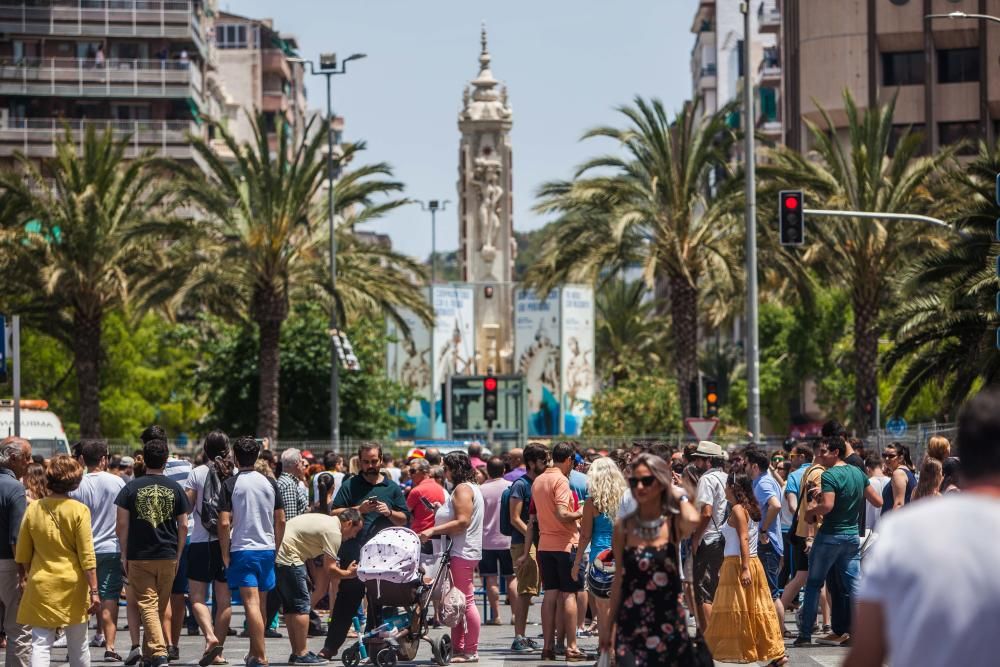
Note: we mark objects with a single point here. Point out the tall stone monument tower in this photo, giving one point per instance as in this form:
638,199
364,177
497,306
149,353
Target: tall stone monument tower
486,233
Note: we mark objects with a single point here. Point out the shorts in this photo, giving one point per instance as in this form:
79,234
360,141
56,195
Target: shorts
527,574
800,559
557,568
109,576
707,563
496,561
292,585
180,585
251,569
205,562
771,560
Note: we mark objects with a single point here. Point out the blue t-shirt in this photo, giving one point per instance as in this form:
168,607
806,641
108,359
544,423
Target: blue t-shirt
520,489
794,482
578,484
766,487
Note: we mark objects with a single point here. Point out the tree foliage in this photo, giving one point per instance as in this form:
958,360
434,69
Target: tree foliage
644,405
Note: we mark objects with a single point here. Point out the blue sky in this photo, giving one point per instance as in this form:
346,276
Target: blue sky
566,63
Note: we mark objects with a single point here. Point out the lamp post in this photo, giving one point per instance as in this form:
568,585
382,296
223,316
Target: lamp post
752,351
434,206
328,68
962,15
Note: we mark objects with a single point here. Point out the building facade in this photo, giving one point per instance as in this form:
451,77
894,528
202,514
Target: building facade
943,73
141,67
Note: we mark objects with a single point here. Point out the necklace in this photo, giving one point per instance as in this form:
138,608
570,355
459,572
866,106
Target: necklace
648,529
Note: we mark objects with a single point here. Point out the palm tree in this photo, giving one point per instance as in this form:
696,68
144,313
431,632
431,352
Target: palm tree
266,241
630,337
652,208
864,173
944,331
75,247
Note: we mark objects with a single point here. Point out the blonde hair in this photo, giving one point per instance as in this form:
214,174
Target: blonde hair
605,486
354,467
939,448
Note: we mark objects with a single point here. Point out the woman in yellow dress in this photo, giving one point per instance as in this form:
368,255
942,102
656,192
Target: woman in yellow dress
743,626
57,567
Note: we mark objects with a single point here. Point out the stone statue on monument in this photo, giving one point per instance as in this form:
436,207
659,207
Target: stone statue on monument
490,197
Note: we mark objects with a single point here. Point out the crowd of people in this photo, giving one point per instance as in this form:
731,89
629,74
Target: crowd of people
735,538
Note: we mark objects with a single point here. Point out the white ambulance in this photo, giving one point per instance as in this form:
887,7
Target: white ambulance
39,426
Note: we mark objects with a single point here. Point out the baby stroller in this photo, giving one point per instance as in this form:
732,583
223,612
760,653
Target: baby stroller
390,569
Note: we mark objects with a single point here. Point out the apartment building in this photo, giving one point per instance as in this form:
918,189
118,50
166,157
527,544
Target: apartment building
141,67
260,72
717,60
944,73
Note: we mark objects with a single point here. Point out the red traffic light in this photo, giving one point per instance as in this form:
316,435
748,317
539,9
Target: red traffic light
490,384
791,203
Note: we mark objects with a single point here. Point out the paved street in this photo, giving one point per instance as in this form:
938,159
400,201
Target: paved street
494,648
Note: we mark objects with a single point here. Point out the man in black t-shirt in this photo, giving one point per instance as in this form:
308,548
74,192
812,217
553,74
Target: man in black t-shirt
381,503
152,529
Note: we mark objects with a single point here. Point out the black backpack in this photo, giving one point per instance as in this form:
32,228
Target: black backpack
208,513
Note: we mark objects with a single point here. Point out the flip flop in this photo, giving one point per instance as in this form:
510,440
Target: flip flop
209,656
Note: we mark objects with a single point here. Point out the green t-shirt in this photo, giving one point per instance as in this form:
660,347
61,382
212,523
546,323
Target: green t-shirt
848,485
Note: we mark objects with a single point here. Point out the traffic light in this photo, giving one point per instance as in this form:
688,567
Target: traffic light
490,386
791,219
711,398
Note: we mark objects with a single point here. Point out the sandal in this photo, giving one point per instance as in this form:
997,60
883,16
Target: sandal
209,656
465,658
778,662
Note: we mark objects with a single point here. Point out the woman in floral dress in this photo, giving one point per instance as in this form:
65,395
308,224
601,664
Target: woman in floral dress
648,624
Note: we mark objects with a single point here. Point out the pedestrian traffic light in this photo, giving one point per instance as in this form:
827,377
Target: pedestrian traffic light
490,386
791,219
711,398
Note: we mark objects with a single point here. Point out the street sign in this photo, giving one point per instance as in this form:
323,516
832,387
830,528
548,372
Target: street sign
896,426
701,428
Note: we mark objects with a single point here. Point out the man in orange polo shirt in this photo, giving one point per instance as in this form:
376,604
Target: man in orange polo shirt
559,535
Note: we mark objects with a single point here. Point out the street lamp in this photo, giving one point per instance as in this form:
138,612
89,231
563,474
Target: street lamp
434,206
749,159
328,68
962,15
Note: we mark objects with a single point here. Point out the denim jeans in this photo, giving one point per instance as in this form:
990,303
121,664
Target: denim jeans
838,553
771,560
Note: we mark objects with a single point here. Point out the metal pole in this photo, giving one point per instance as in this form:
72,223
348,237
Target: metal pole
752,351
334,361
433,245
16,345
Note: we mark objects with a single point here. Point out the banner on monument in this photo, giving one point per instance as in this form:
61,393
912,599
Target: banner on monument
577,355
409,363
536,355
453,341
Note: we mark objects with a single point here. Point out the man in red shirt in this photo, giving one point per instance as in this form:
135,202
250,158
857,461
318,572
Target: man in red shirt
424,488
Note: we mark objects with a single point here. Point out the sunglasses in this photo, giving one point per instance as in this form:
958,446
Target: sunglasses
646,481
889,456
777,459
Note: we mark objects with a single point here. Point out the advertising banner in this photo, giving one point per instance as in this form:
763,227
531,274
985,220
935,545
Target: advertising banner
409,363
453,341
577,356
536,358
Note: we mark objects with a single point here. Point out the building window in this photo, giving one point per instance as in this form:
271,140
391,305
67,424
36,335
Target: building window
231,36
903,68
952,133
897,133
958,65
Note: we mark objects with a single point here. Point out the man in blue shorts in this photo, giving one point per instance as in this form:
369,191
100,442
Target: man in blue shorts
251,525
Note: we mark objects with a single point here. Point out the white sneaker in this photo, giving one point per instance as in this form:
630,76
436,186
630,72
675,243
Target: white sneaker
134,656
97,641
60,642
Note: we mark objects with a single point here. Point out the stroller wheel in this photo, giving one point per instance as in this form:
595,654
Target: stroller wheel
351,656
386,657
441,650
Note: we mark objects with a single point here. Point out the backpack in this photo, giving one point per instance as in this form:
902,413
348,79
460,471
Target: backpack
506,527
208,512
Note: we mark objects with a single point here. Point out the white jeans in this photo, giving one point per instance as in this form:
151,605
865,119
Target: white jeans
18,652
77,647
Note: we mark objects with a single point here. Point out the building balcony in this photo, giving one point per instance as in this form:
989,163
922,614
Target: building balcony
274,61
768,17
707,78
770,128
167,19
71,77
769,72
36,137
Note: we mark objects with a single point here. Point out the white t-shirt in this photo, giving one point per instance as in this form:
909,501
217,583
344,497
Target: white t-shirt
933,571
177,470
98,491
712,491
196,482
467,545
252,499
394,473
338,479
873,513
